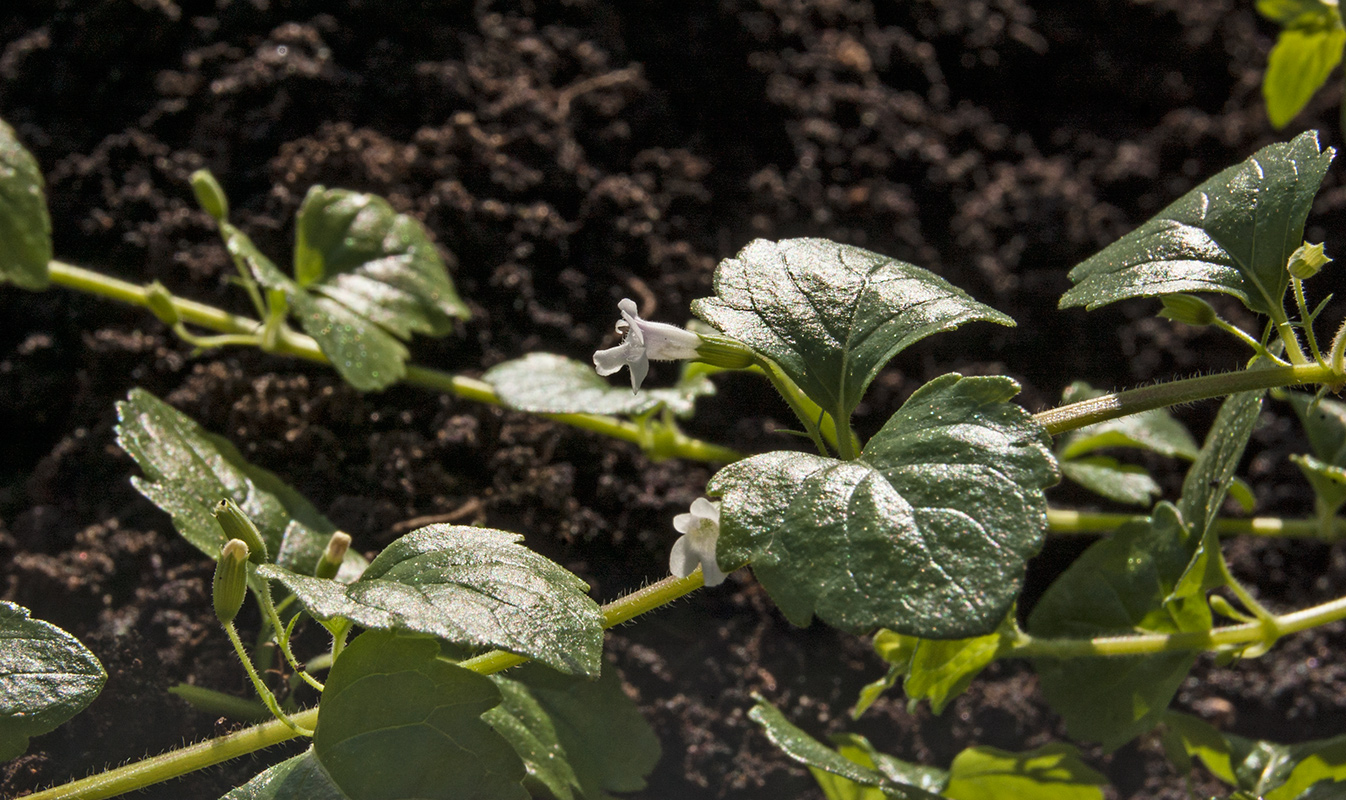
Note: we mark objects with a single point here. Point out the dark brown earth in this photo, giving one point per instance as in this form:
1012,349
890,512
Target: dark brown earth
569,154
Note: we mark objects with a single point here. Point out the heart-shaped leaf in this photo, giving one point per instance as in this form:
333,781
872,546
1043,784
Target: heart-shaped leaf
25,227
188,471
473,586
926,533
46,677
831,315
542,383
577,737
396,721
1232,234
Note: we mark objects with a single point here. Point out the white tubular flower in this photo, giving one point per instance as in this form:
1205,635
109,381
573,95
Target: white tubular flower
696,547
642,342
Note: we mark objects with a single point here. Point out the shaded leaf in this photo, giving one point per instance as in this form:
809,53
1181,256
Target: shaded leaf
1232,234
532,733
473,586
1329,489
542,383
390,702
1121,584
590,729
812,753
926,533
25,227
1125,483
298,778
858,749
1051,772
896,649
46,677
831,315
1266,769
942,669
1155,430
1324,421
188,471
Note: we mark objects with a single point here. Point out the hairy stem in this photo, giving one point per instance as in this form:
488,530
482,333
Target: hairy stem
298,345
1133,401
177,763
1068,521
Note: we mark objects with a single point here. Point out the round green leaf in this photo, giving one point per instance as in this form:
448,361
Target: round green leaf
831,315
473,586
46,677
927,533
25,227
397,722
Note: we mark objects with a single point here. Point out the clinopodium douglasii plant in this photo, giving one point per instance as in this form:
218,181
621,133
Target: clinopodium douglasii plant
458,663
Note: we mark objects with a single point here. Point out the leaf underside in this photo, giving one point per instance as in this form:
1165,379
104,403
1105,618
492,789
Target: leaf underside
542,383
25,227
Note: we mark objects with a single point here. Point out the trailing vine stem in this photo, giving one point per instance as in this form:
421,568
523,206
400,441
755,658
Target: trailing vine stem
297,345
177,763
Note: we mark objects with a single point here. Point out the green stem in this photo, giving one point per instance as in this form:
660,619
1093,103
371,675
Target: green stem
177,763
298,345
1027,646
282,632
1133,401
1067,521
260,686
808,412
1306,317
1243,336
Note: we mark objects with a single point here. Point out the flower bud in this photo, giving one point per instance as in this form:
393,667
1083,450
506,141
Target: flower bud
1307,260
236,525
330,563
231,580
160,303
1187,309
209,194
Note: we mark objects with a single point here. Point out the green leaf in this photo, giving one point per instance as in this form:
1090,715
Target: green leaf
895,648
25,227
1188,736
1305,54
575,733
1051,772
1329,489
473,586
1156,431
926,533
858,749
812,753
1324,421
366,278
188,470
1121,584
1125,483
1266,769
942,669
542,383
1291,12
1315,762
46,677
1232,234
831,315
298,778
397,722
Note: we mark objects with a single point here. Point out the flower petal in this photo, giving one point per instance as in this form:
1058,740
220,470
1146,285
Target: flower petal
609,361
684,523
705,509
681,560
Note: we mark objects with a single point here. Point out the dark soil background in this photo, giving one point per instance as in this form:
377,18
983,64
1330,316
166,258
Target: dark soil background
569,154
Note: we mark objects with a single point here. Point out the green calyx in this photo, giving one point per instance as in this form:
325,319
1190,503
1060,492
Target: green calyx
236,525
721,351
1307,261
231,580
330,562
210,195
1187,309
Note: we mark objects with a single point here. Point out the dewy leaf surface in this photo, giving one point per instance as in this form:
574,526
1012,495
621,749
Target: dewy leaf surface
542,383
25,227
46,677
188,470
1232,234
473,586
1051,772
582,733
298,778
926,533
396,722
831,315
